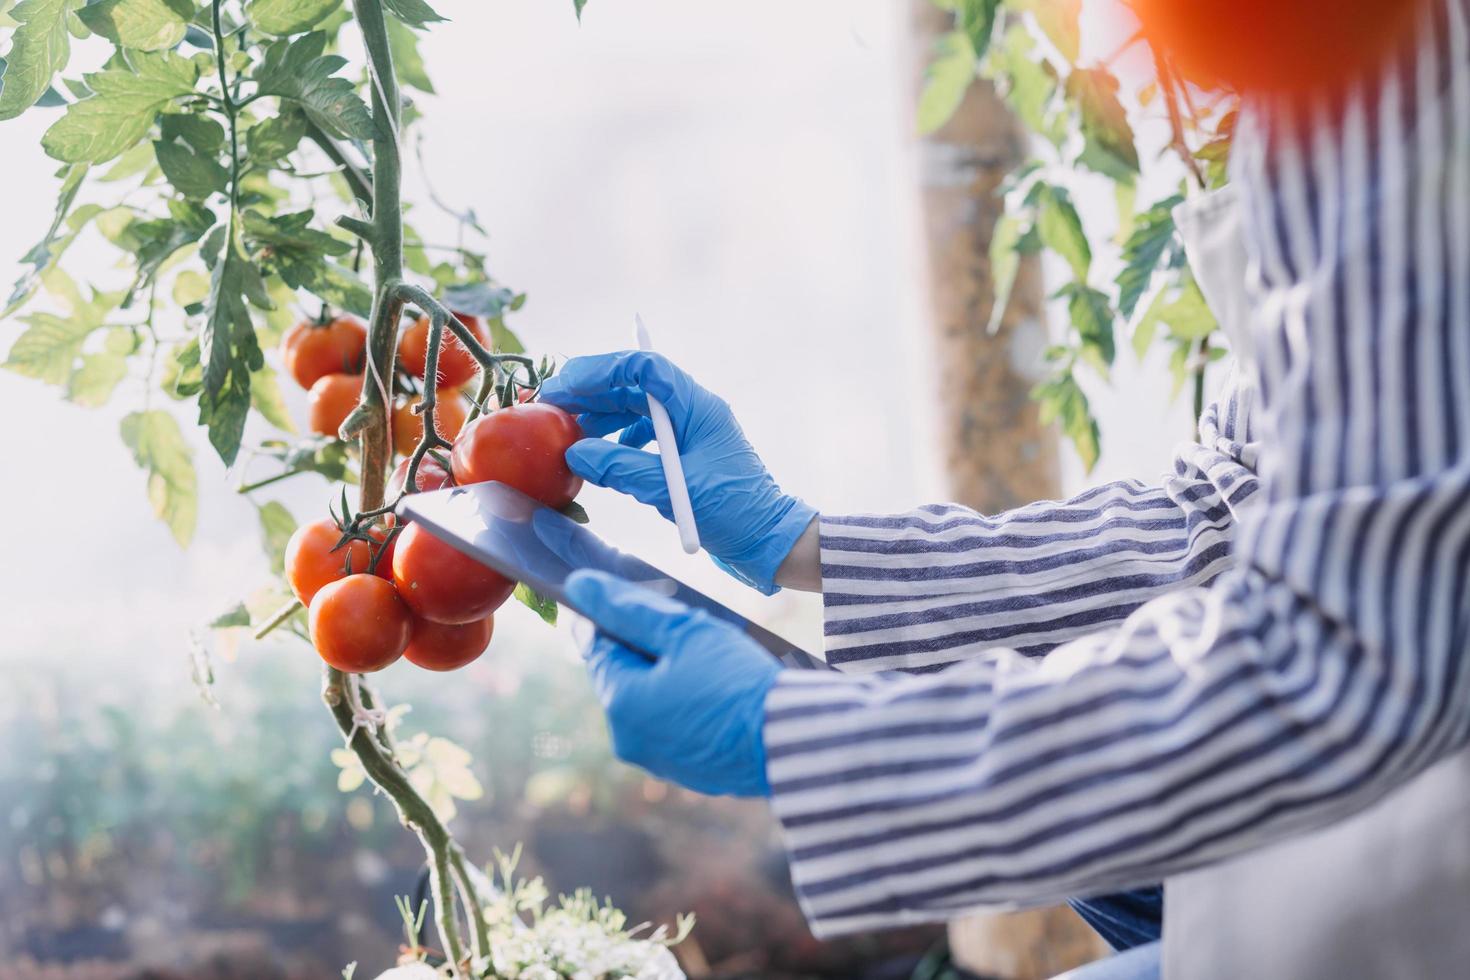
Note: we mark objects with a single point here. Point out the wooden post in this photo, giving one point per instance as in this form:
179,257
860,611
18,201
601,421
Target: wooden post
997,453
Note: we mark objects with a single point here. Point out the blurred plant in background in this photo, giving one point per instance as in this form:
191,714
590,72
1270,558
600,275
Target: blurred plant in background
1085,130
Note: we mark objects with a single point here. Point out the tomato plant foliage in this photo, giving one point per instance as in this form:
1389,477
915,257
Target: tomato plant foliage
246,174
193,150
1088,131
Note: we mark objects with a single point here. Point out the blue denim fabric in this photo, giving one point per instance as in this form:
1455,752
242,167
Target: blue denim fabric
1127,919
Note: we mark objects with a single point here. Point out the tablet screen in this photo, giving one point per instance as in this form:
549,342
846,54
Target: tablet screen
523,540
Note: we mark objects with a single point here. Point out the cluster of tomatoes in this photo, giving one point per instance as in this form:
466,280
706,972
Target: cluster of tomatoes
389,592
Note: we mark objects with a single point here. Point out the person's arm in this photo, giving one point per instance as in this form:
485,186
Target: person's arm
921,590
1325,670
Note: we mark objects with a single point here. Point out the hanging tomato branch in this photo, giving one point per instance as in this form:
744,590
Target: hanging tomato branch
190,150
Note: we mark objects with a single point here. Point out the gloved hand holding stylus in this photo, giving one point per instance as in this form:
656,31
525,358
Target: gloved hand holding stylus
745,520
693,715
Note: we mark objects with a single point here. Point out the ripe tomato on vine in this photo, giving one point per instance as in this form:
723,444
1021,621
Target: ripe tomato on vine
523,446
441,583
311,350
359,624
331,400
439,646
456,364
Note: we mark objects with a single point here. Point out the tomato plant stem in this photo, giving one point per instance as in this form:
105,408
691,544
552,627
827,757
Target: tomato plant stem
277,618
227,102
348,699
267,481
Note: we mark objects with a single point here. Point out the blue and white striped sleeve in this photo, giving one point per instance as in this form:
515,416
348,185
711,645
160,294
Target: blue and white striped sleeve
1326,668
922,590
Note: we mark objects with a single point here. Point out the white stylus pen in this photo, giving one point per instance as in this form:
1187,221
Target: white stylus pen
668,452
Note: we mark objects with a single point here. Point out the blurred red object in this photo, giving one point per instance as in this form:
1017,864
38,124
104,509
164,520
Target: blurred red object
1276,47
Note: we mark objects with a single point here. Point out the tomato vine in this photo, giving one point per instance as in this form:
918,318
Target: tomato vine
222,123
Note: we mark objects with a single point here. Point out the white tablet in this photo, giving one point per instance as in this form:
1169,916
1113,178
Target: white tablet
503,528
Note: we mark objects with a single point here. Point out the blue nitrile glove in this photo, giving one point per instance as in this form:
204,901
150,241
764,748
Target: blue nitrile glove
693,716
744,519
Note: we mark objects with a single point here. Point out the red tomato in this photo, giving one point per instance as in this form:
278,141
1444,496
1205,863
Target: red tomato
314,560
437,646
456,364
523,446
408,428
441,583
1275,47
331,400
431,476
359,624
310,351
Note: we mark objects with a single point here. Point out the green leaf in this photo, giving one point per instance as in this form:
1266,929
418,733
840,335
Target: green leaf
946,80
156,241
1107,137
977,19
326,456
1148,326
126,100
1062,401
159,448
577,5
135,160
1029,86
503,339
482,299
228,348
274,138
1153,233
415,13
191,288
1188,316
202,133
92,384
193,175
1059,20
39,48
576,512
1005,262
407,60
281,17
1125,196
239,615
49,349
265,398
44,253
338,286
286,246
1092,317
537,603
183,375
298,72
1060,228
147,25
276,527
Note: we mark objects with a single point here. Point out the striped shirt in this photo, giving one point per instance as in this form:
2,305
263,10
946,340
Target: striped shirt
1075,698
